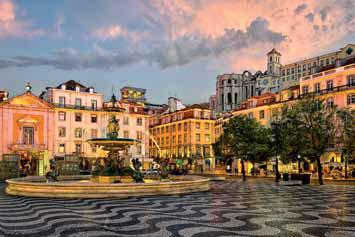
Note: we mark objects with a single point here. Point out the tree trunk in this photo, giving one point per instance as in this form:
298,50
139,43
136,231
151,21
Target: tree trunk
266,168
277,170
346,167
319,165
243,170
253,168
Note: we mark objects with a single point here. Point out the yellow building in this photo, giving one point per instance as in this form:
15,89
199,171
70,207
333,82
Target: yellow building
335,85
184,134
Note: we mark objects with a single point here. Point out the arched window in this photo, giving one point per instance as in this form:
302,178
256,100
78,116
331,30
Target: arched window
229,98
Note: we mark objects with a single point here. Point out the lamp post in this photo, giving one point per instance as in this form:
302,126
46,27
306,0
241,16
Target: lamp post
299,163
276,125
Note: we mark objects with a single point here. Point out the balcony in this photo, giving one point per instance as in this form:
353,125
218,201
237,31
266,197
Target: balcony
20,147
331,90
65,106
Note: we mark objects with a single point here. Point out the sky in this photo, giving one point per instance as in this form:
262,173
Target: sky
170,47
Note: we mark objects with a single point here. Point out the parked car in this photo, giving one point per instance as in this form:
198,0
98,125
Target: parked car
151,172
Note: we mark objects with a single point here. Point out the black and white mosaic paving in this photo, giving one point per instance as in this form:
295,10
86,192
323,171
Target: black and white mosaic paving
231,208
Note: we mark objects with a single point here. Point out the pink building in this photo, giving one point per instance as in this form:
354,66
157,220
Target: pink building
27,131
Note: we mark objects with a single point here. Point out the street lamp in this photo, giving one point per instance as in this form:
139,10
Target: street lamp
276,125
299,163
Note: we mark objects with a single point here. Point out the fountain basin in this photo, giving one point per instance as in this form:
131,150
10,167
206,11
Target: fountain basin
81,187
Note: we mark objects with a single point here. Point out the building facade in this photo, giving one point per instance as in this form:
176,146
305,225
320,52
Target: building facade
230,93
182,135
27,131
335,86
78,117
232,90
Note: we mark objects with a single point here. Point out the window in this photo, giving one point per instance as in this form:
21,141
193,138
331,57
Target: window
62,132
179,139
77,117
93,118
94,104
330,85
207,138
351,99
198,150
28,135
139,135
173,128
207,126
229,98
77,103
197,125
61,101
139,149
139,121
93,148
125,134
185,127
167,129
162,141
351,80
198,137
61,148
250,115
327,61
61,116
125,120
317,87
78,133
158,131
304,89
330,103
185,138
93,133
261,114
179,127
173,140
77,148
167,140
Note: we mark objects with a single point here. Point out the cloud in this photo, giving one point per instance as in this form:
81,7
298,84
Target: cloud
10,26
112,32
300,8
182,50
177,32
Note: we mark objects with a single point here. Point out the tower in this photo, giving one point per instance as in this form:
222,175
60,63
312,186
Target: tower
273,63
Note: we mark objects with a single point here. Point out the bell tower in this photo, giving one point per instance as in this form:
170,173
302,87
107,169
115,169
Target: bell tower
273,63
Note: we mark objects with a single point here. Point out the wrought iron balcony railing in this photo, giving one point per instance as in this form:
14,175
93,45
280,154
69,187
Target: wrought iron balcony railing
18,146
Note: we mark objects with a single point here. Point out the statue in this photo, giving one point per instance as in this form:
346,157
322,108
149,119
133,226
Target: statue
52,175
113,128
137,175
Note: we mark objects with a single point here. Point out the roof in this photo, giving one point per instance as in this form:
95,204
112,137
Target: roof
142,90
71,85
274,51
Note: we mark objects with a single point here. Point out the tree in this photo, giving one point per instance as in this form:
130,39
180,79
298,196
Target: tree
315,122
345,137
242,137
292,142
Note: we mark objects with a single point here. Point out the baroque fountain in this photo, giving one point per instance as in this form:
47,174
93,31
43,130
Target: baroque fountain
113,176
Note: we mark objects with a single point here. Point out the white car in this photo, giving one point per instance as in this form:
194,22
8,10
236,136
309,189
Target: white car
151,172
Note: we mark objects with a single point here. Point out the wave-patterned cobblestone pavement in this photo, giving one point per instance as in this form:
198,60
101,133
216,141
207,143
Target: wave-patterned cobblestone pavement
231,208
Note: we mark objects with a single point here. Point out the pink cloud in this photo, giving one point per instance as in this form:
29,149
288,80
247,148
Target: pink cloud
12,27
303,37
115,31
